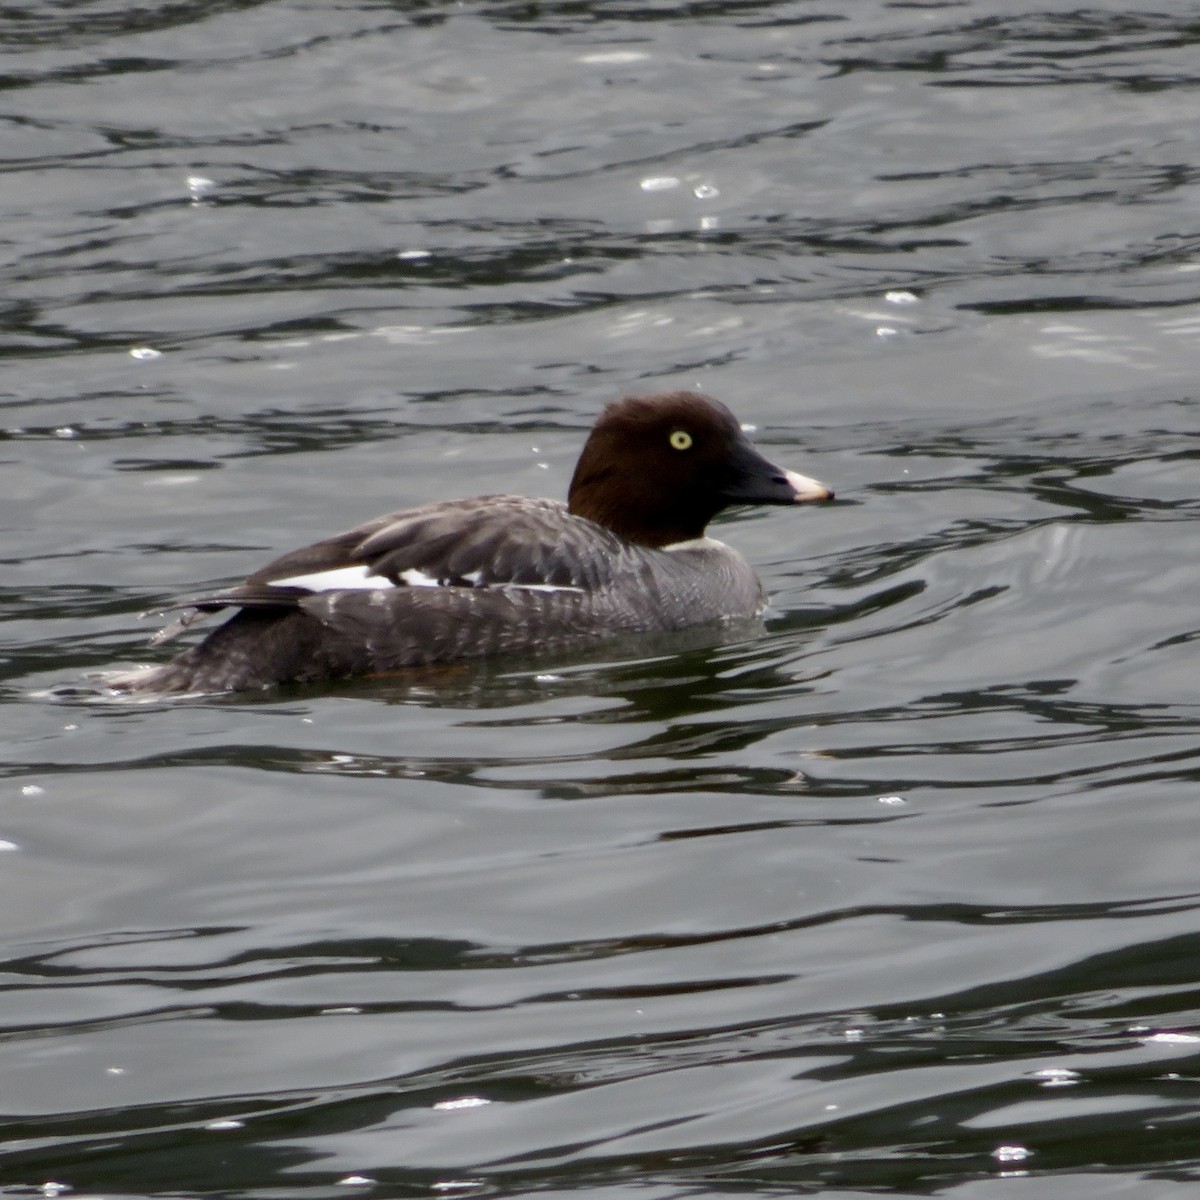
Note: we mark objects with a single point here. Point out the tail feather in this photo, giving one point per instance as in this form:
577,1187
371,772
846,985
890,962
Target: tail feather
255,648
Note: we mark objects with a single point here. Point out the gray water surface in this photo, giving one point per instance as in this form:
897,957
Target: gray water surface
898,895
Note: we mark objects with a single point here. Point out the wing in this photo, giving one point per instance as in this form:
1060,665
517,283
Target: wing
492,541
484,542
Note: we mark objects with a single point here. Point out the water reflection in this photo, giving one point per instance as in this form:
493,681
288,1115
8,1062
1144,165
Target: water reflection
896,892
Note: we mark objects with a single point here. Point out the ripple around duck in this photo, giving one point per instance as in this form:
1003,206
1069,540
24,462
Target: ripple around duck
830,1099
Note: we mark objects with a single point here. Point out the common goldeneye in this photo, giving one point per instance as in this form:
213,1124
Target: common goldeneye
497,575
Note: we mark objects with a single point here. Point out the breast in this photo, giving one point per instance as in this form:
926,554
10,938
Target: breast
691,583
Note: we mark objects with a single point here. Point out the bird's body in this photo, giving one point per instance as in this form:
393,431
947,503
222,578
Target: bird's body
496,575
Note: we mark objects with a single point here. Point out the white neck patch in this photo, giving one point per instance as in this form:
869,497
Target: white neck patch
700,543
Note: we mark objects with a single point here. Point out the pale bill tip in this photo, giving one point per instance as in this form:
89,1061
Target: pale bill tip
807,489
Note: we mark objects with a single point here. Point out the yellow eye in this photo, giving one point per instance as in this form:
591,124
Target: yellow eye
681,439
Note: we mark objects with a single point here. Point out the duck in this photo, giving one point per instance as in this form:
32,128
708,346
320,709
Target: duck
497,575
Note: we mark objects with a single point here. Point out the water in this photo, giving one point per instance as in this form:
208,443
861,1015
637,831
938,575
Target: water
896,896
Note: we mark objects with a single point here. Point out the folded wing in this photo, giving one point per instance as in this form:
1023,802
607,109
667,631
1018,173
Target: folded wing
484,542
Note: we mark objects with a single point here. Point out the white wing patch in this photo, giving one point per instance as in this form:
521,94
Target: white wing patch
540,587
340,579
417,578
360,578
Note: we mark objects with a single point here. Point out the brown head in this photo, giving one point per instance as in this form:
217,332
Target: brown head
657,469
